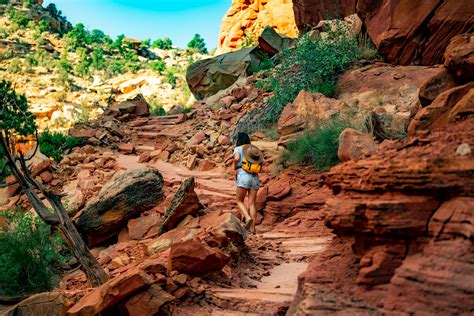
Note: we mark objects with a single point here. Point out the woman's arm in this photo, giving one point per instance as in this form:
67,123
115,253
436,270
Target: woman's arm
236,160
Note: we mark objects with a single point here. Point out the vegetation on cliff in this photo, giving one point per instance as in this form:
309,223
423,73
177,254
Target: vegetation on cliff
30,255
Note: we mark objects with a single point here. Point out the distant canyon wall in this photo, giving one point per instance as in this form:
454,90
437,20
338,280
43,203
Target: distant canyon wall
404,31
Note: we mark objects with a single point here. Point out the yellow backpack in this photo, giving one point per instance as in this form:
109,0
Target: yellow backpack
254,167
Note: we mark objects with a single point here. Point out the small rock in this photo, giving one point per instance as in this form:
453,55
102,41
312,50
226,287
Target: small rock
463,150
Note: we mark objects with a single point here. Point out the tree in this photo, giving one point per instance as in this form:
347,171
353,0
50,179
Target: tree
197,43
16,121
79,36
164,43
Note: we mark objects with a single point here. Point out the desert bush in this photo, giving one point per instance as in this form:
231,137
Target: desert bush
5,54
171,78
30,255
312,65
83,114
158,66
53,144
97,59
317,147
17,18
14,66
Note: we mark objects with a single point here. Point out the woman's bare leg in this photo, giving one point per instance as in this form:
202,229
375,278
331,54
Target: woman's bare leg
241,192
253,206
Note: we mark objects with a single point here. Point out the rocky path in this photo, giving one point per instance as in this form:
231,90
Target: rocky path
273,260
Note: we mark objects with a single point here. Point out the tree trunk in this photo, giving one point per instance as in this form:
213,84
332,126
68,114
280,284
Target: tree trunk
58,219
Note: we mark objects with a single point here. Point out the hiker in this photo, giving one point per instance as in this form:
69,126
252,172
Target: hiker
248,160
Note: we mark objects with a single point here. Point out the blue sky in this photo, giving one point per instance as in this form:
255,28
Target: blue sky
143,19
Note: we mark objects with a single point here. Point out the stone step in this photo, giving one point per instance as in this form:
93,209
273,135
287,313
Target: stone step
149,135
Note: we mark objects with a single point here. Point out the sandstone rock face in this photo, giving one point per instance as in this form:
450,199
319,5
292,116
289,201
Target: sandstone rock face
391,92
407,31
440,82
306,111
449,106
247,19
459,56
404,224
308,13
125,196
194,257
354,145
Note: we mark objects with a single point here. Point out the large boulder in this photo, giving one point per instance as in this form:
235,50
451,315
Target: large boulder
440,82
406,31
185,202
137,106
271,42
354,145
109,294
459,56
125,196
195,257
47,303
208,76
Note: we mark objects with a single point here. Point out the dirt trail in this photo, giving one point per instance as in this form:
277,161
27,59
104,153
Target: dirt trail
278,255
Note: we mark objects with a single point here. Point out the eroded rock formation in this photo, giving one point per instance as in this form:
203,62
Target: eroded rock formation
246,19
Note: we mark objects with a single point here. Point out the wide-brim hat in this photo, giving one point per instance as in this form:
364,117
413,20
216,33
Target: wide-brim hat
253,154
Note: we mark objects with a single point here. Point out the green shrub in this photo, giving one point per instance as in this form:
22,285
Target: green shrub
17,18
29,254
115,67
14,66
317,147
98,60
171,78
158,66
312,65
5,53
53,145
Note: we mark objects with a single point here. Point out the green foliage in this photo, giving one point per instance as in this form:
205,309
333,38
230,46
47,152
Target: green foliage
158,66
27,4
65,25
15,115
14,66
171,78
53,145
17,18
29,254
115,67
98,60
317,147
98,37
77,37
164,43
312,65
198,44
63,68
5,54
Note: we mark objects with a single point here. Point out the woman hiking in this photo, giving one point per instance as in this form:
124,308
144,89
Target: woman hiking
248,161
